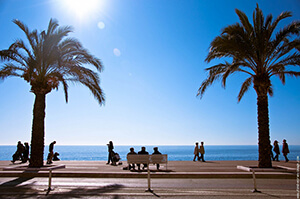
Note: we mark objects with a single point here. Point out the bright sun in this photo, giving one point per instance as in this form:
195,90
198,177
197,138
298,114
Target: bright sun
82,8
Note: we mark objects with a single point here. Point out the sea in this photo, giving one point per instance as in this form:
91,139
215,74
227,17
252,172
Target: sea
175,153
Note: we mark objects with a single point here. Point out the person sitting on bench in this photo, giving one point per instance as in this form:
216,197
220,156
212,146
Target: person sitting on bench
132,152
156,152
142,152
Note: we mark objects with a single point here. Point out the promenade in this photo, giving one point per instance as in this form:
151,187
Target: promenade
181,179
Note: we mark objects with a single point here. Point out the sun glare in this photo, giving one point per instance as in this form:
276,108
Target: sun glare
83,8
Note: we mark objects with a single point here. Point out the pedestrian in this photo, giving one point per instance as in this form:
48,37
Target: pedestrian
196,152
26,152
55,157
202,152
156,152
110,147
285,150
18,154
271,152
51,153
276,150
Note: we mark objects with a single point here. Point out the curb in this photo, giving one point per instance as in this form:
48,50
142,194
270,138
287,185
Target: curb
188,175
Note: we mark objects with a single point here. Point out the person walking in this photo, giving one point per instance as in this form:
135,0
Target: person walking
276,150
271,152
18,155
285,150
51,153
196,152
202,152
25,152
110,147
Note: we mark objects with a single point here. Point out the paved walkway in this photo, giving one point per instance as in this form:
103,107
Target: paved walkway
182,179
174,169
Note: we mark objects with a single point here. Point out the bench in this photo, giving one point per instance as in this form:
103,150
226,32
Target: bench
148,159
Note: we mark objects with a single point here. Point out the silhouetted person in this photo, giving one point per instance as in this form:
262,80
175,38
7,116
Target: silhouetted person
196,152
18,154
55,156
26,152
51,153
142,152
110,147
132,152
271,152
115,158
202,152
276,150
156,152
285,150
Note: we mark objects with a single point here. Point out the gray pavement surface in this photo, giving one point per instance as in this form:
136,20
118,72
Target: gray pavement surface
206,182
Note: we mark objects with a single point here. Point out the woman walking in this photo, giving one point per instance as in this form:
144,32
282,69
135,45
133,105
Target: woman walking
110,146
285,150
196,152
202,151
276,150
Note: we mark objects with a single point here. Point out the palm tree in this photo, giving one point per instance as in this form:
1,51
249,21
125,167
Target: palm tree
52,59
259,52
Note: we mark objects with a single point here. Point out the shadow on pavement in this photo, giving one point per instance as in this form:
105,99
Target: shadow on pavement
14,189
85,192
11,190
15,182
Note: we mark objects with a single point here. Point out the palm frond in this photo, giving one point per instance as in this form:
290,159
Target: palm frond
244,21
6,54
10,69
270,90
230,69
245,87
215,73
53,24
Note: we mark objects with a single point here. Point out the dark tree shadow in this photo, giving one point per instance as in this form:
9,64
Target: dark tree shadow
12,190
15,182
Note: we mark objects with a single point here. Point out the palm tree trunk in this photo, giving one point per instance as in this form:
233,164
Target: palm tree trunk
263,131
38,131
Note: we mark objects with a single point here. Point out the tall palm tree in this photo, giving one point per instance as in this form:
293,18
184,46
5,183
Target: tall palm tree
260,52
51,59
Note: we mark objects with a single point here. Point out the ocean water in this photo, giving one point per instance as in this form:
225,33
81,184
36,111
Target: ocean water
175,153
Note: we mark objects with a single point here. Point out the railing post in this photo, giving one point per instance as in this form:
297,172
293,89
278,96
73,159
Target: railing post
148,175
50,178
254,181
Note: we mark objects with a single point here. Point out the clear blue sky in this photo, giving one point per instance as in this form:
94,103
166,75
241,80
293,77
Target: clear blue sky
153,53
